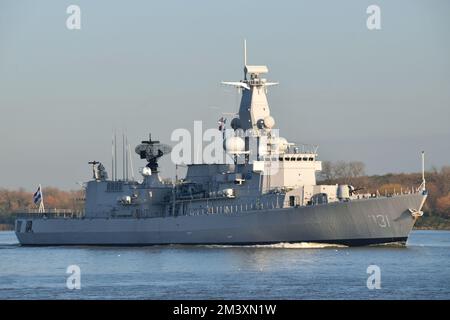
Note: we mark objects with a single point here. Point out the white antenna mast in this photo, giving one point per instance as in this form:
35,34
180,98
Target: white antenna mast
123,156
245,59
245,52
423,171
112,157
126,156
131,162
115,156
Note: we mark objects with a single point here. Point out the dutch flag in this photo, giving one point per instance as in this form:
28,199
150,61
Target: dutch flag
37,196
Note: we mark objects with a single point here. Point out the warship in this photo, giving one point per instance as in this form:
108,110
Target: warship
267,194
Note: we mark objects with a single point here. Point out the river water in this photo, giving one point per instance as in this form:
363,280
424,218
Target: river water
421,270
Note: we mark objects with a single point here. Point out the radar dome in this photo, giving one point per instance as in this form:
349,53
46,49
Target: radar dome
236,123
280,144
234,145
269,122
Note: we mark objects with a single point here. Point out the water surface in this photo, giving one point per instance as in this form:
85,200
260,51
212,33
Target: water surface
421,270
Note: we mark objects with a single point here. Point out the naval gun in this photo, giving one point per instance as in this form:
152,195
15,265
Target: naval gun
152,150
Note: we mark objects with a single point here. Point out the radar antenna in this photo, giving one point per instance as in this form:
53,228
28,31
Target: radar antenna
93,163
152,150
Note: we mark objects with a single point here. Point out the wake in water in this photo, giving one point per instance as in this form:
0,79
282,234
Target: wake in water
399,244
9,245
282,245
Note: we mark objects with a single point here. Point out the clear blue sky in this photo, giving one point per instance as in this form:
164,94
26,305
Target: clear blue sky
375,96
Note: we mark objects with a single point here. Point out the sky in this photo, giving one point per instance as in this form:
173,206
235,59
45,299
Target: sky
376,96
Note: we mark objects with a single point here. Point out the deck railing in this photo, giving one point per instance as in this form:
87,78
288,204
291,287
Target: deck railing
52,213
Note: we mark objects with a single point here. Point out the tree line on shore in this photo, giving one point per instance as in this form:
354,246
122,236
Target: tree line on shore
20,200
353,173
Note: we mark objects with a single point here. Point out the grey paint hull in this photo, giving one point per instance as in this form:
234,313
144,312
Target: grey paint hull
358,222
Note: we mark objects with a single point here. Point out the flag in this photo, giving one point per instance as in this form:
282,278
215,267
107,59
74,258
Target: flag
37,196
221,123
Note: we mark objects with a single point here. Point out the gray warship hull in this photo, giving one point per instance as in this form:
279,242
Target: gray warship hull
354,223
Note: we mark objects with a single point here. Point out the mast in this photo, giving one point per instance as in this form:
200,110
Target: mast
254,107
123,156
126,156
254,111
115,156
131,162
245,59
423,171
112,157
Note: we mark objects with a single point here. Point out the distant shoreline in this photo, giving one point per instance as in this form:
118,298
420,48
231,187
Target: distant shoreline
432,223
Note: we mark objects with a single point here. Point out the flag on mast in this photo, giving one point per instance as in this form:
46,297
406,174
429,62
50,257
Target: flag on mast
39,198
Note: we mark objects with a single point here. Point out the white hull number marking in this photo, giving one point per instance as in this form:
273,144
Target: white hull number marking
381,220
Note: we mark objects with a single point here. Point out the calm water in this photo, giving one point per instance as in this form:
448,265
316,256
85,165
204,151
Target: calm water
298,271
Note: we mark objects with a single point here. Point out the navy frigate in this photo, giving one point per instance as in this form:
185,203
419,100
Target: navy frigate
265,195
